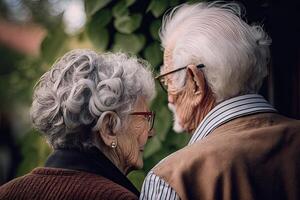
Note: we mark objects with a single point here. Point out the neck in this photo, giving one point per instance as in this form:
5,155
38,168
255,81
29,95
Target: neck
113,156
199,112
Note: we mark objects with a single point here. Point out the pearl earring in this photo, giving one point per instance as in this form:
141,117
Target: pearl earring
113,145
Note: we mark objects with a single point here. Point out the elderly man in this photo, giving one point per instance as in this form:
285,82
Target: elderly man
241,148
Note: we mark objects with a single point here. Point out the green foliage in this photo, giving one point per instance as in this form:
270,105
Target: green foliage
129,2
8,71
128,24
53,44
153,54
129,43
154,28
137,178
100,19
92,7
152,147
17,76
157,7
173,3
34,153
120,9
97,31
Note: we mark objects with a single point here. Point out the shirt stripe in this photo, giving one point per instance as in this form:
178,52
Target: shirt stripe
155,188
229,110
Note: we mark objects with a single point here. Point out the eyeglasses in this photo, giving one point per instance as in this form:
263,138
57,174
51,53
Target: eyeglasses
162,80
150,116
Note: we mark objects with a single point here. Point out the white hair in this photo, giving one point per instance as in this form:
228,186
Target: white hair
234,53
70,100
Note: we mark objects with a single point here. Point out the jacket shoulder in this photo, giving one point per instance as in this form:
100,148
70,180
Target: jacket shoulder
244,140
243,154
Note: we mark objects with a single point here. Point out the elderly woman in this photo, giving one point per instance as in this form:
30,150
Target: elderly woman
92,109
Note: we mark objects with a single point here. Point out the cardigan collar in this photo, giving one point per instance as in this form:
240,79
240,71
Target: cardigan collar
91,161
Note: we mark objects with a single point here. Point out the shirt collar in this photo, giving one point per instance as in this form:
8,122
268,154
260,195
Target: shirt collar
229,110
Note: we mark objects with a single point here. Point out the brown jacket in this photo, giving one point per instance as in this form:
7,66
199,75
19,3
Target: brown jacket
252,157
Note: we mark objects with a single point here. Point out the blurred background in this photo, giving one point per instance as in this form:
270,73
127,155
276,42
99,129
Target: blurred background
34,33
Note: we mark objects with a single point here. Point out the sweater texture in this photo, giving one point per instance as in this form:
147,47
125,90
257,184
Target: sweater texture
71,174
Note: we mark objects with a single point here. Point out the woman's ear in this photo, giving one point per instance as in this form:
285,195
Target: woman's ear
110,124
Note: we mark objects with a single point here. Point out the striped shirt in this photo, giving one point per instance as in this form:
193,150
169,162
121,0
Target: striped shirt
155,187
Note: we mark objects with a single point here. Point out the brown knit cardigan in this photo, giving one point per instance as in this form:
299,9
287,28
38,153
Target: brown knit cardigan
70,175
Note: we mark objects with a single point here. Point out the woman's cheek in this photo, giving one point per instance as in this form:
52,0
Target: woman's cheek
143,137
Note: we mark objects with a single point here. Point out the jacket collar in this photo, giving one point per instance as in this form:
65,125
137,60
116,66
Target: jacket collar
91,161
231,109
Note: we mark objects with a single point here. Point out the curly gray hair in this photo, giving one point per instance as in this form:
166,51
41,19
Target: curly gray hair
82,86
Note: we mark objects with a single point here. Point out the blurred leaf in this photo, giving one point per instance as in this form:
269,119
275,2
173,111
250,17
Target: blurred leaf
163,123
129,2
8,60
178,140
101,18
91,7
174,2
193,1
128,24
157,7
153,54
53,44
98,35
161,99
35,152
151,161
9,69
152,147
81,41
96,30
120,9
128,43
164,120
154,28
137,177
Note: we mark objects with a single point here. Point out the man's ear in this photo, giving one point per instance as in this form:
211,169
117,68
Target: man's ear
196,80
110,124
